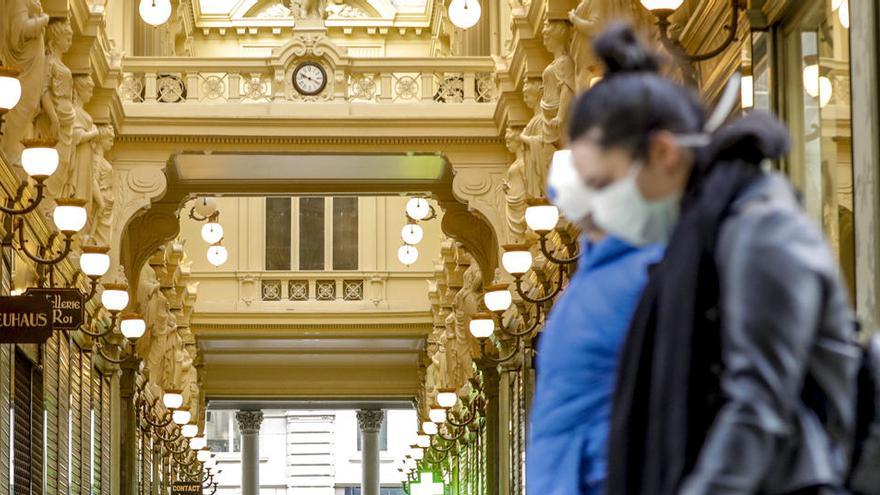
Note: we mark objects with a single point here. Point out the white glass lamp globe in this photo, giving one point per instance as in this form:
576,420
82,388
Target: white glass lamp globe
437,415
181,416
205,206
465,14
212,232
843,14
94,260
407,254
70,215
132,326
210,463
482,325
173,399
418,208
423,440
542,217
429,428
517,259
39,158
114,297
217,255
10,89
447,398
811,80
412,234
198,443
410,464
661,5
155,12
498,298
203,455
418,454
189,431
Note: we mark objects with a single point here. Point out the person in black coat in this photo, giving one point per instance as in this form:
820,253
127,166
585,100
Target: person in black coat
738,373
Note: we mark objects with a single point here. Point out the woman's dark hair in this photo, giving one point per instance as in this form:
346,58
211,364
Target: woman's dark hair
633,99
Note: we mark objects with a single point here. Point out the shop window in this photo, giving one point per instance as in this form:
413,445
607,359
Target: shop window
325,232
221,430
27,427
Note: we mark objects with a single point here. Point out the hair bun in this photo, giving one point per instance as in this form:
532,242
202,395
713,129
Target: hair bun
621,51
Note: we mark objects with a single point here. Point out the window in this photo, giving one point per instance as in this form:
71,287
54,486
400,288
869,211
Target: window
325,232
221,430
383,434
27,426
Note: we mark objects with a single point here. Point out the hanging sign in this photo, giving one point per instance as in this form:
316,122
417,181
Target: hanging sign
25,320
68,306
186,488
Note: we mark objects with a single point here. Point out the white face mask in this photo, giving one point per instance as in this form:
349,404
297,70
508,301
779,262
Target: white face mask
621,210
566,189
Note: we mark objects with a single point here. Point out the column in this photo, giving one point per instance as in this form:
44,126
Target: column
369,423
249,424
128,465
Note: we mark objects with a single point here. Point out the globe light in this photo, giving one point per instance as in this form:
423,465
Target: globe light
189,431
211,463
70,215
212,232
541,216
412,234
10,88
155,12
429,428
843,14
418,208
498,298
410,464
132,326
747,91
217,255
181,416
465,14
662,5
115,297
198,443
172,399
447,398
94,260
482,325
517,259
816,85
39,158
437,415
205,206
407,254
418,454
203,455
423,440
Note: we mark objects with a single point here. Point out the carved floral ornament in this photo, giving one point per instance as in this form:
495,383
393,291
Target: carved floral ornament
249,421
370,420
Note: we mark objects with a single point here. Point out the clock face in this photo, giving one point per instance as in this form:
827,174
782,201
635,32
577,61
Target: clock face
309,78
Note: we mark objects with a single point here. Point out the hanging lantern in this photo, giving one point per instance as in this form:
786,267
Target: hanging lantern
465,14
412,234
155,12
217,255
407,254
212,232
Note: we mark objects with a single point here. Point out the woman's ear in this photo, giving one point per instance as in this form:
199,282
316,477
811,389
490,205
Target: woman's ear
664,154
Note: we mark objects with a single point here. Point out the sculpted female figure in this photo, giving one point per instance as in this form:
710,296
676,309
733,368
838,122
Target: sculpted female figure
537,153
515,185
101,220
558,80
81,172
153,346
22,27
461,347
58,113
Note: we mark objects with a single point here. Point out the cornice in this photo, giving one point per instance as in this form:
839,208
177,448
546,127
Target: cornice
383,329
308,140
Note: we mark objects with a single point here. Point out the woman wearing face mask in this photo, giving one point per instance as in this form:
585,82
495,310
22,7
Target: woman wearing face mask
737,373
579,348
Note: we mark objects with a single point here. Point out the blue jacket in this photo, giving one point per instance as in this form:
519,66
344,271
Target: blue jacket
576,368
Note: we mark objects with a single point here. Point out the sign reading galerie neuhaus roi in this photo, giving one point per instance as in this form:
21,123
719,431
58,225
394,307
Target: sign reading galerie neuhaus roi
25,320
186,488
68,307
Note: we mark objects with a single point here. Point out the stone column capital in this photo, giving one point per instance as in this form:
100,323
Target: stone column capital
370,420
249,421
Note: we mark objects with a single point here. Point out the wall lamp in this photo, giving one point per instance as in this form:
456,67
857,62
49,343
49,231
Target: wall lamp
543,217
69,217
10,91
94,262
517,260
663,9
39,160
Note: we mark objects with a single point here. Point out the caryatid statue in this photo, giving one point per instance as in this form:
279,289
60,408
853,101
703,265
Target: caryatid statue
588,18
80,180
153,346
537,153
57,110
461,347
22,30
515,185
558,82
101,219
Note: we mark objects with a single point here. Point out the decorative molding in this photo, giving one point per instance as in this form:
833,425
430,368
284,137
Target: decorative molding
310,140
249,422
370,420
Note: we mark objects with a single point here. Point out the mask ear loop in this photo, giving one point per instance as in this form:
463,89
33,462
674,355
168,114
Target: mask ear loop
725,105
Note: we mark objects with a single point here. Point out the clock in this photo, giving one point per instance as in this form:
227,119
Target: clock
309,78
